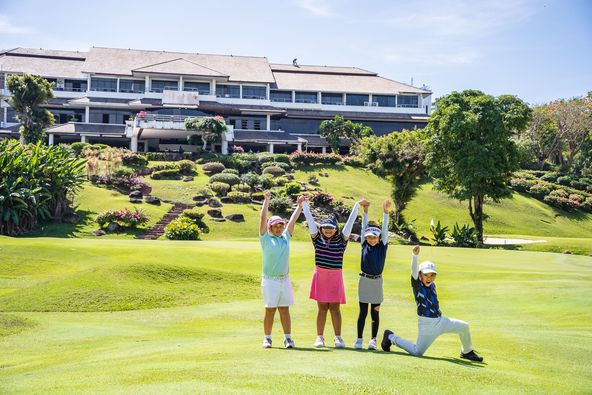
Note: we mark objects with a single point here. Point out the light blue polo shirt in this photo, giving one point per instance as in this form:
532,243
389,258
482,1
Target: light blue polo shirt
276,251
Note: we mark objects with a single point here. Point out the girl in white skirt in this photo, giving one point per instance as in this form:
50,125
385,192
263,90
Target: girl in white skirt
374,247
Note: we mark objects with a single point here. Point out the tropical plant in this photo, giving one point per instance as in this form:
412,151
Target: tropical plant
439,234
464,236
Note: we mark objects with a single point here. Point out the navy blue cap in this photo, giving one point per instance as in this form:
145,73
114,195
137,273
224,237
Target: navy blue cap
329,223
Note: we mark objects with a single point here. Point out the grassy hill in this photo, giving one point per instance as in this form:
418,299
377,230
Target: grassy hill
130,316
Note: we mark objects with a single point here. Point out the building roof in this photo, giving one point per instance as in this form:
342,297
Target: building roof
50,53
319,69
47,63
179,66
116,61
348,83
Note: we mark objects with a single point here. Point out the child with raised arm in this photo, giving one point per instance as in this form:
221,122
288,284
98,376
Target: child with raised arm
374,247
276,287
327,281
431,323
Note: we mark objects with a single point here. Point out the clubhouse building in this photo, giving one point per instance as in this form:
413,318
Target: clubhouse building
139,99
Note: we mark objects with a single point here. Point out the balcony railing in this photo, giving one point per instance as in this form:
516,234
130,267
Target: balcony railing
281,99
69,89
161,117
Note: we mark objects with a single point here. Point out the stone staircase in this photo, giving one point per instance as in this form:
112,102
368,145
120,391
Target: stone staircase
158,229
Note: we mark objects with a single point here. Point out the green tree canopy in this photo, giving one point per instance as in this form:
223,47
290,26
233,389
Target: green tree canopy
208,128
471,154
30,92
335,129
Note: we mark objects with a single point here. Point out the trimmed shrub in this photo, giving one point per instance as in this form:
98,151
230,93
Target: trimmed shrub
219,188
564,180
263,157
186,166
280,181
274,171
166,174
292,188
251,179
353,161
130,158
282,158
239,197
280,204
127,173
540,190
230,179
78,147
182,228
156,155
197,217
242,188
309,158
550,177
213,167
164,166
322,199
124,218
257,196
230,171
522,184
561,199
284,166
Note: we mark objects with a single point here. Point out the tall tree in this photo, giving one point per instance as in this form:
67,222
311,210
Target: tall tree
335,129
541,135
208,128
30,92
471,153
400,158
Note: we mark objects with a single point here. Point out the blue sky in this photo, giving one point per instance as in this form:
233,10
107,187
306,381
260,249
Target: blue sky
538,50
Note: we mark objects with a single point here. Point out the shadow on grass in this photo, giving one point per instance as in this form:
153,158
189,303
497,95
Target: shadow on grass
313,168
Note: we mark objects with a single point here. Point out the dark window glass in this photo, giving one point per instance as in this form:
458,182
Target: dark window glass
332,98
132,86
306,97
257,124
254,92
244,124
203,88
356,100
232,91
407,101
281,96
103,84
157,86
384,101
105,118
75,86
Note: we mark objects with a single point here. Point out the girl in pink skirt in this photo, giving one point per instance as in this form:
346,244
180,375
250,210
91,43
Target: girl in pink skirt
327,281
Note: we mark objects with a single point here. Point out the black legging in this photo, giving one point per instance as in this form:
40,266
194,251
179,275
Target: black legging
374,314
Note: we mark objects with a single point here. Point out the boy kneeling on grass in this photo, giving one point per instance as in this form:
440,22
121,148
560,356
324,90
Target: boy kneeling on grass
431,323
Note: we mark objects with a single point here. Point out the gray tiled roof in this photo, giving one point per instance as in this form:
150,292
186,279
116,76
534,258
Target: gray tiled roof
319,69
45,66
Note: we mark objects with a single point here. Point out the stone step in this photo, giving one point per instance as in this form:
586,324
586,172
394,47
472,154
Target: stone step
157,229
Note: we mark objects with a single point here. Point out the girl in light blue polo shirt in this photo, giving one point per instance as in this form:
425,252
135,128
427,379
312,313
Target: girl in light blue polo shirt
275,235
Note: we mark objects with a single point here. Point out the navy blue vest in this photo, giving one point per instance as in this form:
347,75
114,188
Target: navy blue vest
426,299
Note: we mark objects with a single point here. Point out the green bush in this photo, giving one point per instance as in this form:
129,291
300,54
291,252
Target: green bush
165,166
353,161
125,173
182,228
280,204
284,166
213,167
251,179
282,158
166,174
311,158
219,188
263,157
230,179
439,234
156,155
78,147
123,218
540,190
292,188
280,181
239,197
549,177
242,188
522,184
564,180
465,236
230,171
274,171
257,196
197,217
186,166
130,158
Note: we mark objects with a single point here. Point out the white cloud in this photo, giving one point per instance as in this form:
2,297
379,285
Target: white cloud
7,27
316,7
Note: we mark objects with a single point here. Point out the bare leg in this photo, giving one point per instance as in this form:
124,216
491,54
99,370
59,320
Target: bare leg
285,319
322,317
336,317
268,320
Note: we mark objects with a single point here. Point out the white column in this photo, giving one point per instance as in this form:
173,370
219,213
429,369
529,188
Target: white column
146,84
270,148
370,99
319,97
299,146
267,92
117,88
240,91
213,87
293,96
268,120
86,114
180,83
344,101
134,144
5,114
224,147
145,145
83,139
88,83
324,150
50,135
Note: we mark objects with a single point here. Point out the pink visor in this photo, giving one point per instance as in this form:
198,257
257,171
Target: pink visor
276,219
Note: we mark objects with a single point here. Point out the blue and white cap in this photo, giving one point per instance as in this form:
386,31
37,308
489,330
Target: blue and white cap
329,223
428,267
372,231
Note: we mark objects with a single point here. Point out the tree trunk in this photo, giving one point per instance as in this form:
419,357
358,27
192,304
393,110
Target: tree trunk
476,212
205,142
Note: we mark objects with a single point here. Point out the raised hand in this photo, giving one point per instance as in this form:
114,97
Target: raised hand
386,205
301,199
416,250
267,195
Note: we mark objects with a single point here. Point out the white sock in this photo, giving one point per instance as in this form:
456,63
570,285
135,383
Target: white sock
287,335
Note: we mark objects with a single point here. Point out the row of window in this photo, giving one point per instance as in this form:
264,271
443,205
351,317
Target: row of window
350,99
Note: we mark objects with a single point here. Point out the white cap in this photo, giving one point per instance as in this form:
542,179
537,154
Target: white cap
372,231
427,267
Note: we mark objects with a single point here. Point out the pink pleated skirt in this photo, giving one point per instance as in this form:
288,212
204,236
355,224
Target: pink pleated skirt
327,286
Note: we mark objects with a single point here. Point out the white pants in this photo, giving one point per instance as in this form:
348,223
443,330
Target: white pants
277,292
428,329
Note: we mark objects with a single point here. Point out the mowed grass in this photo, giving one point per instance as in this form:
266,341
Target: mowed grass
525,309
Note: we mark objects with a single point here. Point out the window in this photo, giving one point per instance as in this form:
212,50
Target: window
257,124
407,101
11,115
356,100
203,88
132,86
306,97
332,98
157,86
385,101
75,86
254,92
103,84
105,118
232,91
244,124
281,96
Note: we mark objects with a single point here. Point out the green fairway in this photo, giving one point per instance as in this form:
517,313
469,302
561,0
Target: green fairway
131,316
